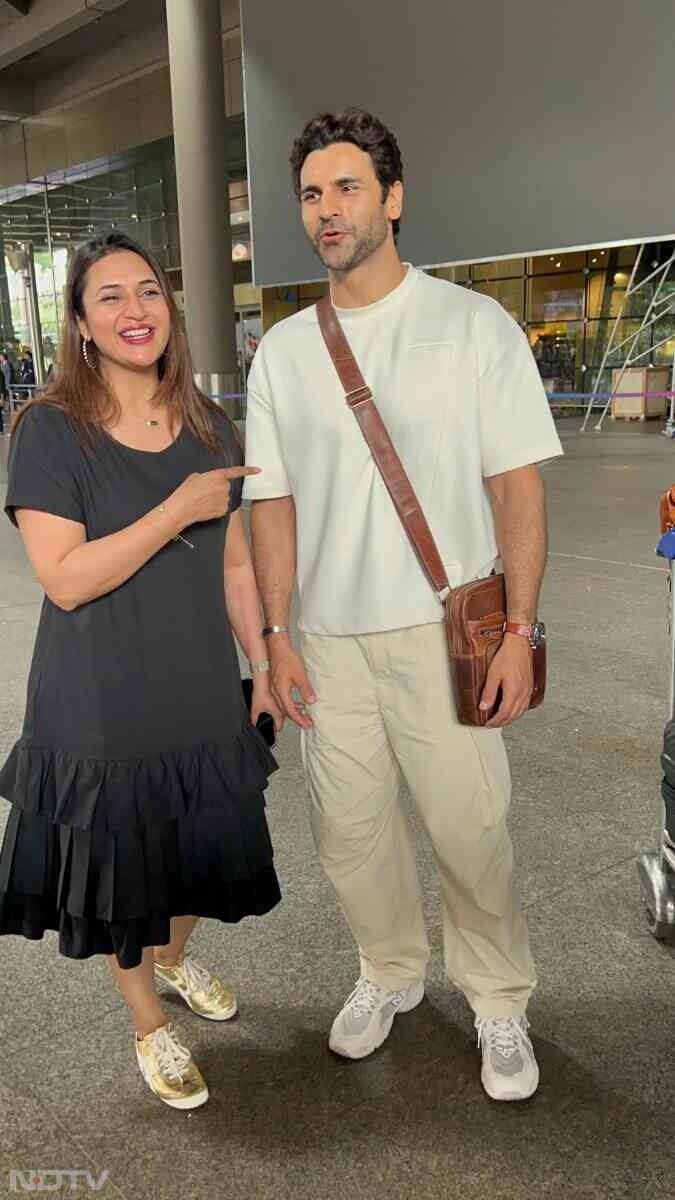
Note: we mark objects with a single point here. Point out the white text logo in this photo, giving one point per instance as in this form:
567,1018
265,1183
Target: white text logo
53,1181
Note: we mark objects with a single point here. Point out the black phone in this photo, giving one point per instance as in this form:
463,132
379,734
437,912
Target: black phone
265,723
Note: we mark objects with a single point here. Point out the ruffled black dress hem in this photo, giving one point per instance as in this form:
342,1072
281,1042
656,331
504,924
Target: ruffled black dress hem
106,851
79,938
86,792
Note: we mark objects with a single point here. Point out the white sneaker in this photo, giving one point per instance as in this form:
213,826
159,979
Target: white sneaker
510,1070
365,1021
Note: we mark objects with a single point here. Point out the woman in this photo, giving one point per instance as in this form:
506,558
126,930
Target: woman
137,785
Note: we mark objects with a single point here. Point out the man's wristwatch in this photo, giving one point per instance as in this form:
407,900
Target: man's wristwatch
535,634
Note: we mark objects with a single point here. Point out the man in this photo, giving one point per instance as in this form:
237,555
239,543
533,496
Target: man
456,385
27,371
6,385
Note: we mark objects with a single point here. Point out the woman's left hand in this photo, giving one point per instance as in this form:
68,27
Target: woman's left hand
264,702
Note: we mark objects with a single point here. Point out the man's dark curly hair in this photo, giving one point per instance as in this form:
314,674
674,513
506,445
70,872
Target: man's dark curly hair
363,130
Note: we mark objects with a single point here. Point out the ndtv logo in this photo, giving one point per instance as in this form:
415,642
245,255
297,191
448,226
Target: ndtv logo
53,1181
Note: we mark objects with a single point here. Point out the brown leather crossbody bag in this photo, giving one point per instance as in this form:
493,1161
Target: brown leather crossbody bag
475,614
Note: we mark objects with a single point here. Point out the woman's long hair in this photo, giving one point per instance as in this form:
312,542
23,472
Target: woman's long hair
82,391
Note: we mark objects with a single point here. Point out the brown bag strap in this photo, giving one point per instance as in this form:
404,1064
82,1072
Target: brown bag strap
360,399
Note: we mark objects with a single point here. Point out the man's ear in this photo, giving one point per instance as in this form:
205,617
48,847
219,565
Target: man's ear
394,202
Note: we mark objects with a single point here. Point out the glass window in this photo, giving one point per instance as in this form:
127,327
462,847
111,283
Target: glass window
665,328
598,334
626,255
509,293
555,297
311,292
49,320
18,308
461,274
607,296
505,268
148,172
542,264
170,194
173,259
119,182
557,348
155,234
150,200
602,383
172,235
596,259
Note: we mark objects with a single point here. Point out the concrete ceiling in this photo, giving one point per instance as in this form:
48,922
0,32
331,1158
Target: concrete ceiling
89,39
62,51
10,10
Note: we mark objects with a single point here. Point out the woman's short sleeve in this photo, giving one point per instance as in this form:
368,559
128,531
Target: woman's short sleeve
40,470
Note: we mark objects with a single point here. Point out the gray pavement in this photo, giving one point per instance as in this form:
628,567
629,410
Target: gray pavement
287,1119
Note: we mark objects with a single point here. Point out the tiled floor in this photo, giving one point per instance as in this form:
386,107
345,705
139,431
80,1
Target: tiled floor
287,1119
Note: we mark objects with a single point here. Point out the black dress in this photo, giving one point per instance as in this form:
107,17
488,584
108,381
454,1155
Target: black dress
137,785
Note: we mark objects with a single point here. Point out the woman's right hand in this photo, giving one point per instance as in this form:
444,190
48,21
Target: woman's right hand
207,495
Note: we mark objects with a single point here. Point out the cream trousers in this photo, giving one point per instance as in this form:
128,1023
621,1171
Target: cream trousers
384,714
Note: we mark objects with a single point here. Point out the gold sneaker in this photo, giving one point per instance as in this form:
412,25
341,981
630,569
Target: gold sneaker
168,1069
203,992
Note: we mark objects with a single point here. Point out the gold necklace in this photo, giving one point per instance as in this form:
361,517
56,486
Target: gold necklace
152,423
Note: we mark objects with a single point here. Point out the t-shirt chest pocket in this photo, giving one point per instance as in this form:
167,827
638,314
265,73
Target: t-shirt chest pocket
426,387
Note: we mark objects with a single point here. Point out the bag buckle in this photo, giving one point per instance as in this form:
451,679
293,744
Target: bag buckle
363,392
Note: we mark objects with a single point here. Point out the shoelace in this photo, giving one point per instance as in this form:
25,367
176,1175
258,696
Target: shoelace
198,977
365,997
173,1059
505,1034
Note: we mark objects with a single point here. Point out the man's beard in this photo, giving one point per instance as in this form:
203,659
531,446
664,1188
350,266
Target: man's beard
346,258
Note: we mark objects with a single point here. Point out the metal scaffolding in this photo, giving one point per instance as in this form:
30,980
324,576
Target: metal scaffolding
657,308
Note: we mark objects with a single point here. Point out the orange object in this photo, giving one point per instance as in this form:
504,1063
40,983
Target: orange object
667,510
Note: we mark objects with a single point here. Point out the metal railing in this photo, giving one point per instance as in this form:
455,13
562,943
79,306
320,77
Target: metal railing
656,309
600,399
19,393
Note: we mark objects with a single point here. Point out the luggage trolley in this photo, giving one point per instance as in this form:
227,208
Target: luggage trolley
656,868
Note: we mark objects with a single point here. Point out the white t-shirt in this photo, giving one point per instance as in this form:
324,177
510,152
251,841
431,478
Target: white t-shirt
458,389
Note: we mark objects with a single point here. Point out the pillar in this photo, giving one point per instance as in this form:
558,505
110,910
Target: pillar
198,103
6,324
33,310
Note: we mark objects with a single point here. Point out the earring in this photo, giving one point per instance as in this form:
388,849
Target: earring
85,354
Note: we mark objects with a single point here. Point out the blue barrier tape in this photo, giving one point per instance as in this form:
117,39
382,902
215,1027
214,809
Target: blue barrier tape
607,395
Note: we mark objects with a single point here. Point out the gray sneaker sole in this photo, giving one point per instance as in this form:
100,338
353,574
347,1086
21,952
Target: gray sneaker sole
510,1097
